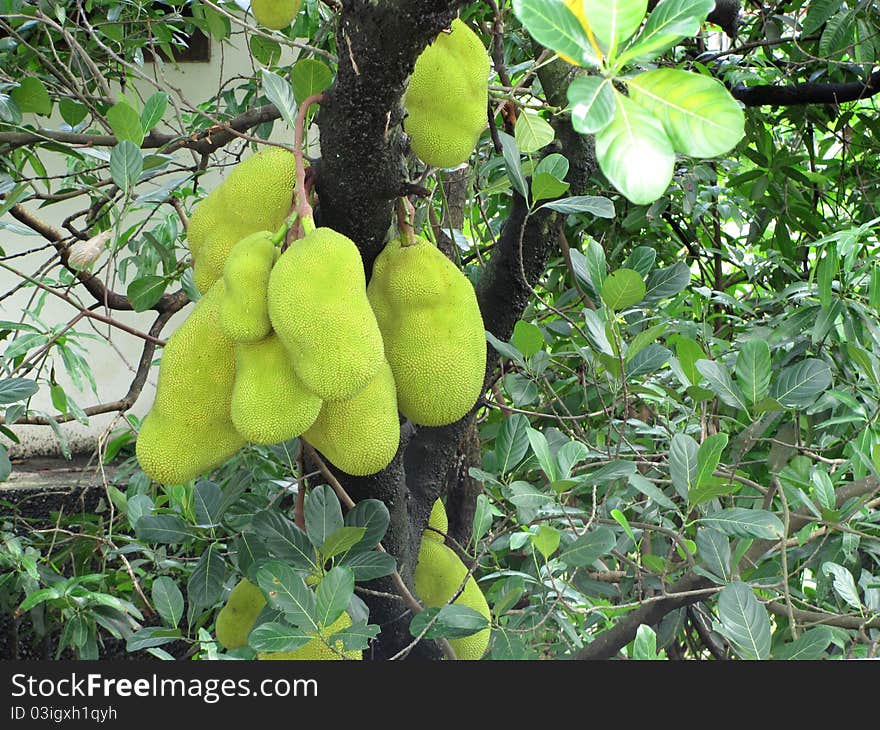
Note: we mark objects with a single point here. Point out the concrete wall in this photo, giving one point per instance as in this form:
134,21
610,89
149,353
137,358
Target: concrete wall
113,359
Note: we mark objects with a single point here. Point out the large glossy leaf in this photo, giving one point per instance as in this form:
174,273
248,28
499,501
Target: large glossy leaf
699,115
588,548
648,360
613,21
798,386
721,384
323,514
742,522
683,463
753,370
334,593
663,283
744,621
622,289
706,486
371,514
669,22
512,442
809,646
592,103
273,636
286,591
205,585
167,600
450,621
713,551
553,25
284,539
635,153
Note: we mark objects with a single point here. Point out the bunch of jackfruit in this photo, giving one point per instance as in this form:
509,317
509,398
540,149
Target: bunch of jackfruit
294,344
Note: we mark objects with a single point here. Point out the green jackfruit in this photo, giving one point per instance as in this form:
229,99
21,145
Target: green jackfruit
188,430
439,572
275,14
269,403
447,98
256,196
236,619
244,314
318,648
360,436
439,522
434,336
319,308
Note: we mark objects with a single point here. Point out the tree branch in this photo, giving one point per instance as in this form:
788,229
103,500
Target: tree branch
807,93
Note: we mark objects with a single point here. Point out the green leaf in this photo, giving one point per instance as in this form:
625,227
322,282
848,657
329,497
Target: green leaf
614,21
168,600
31,96
555,165
373,516
753,370
683,452
588,548
126,165
645,645
205,584
9,111
798,386
668,23
164,529
286,591
272,637
154,110
284,539
810,645
72,111
371,565
827,270
454,621
266,51
541,449
635,153
741,522
356,637
13,390
512,442
207,503
278,91
309,77
5,464
150,637
514,164
663,283
622,289
527,338
342,541
143,293
591,99
593,204
554,26
706,486
546,541
334,593
641,259
532,133
713,551
648,360
721,384
323,514
545,186
699,115
844,584
744,621
125,123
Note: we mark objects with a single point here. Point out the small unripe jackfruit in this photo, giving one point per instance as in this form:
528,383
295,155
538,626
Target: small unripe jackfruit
236,619
188,430
318,648
433,331
439,572
275,14
269,403
318,307
439,522
244,314
447,98
360,436
256,196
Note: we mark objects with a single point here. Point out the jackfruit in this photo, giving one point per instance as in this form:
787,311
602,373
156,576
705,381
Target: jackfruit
318,648
256,196
433,331
244,314
447,98
236,619
439,572
439,522
318,307
275,14
269,403
360,436
188,429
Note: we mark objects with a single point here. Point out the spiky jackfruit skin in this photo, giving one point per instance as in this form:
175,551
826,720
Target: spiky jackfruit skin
439,572
256,196
188,430
360,436
438,521
447,97
244,314
275,14
318,307
433,331
269,402
318,649
236,619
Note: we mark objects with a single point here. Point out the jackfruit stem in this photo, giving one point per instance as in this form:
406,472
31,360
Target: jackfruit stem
307,223
406,213
302,199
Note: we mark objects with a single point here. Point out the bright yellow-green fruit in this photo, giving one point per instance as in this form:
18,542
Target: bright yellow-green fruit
447,98
188,430
275,14
439,522
318,306
256,196
438,575
360,436
434,337
269,403
317,648
244,314
236,619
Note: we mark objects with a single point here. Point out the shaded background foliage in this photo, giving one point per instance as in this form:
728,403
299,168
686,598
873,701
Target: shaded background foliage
684,462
